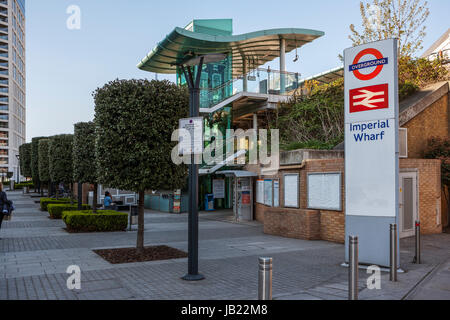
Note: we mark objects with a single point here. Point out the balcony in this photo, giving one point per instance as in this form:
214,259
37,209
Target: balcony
259,85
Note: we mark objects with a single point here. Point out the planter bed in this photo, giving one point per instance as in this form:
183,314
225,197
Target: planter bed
130,255
46,201
102,221
55,210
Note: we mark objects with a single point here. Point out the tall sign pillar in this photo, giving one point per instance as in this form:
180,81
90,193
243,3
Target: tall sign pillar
371,148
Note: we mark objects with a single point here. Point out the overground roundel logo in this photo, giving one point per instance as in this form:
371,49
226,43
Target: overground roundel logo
378,63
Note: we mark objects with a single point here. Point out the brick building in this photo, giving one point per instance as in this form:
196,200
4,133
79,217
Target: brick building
422,116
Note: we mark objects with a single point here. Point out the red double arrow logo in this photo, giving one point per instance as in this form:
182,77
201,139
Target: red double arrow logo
369,98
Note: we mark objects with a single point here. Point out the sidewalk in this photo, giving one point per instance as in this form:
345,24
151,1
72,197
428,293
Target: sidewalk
35,253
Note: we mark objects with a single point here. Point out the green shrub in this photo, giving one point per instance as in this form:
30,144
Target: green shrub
20,186
56,210
103,221
46,201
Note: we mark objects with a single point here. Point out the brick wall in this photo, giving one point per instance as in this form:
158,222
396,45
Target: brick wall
330,225
432,122
293,223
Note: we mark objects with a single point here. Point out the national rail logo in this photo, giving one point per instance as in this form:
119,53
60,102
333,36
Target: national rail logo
378,64
369,98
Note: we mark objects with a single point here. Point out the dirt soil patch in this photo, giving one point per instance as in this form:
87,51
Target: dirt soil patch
130,255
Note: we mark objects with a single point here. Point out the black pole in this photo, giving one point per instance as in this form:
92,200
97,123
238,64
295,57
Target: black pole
194,105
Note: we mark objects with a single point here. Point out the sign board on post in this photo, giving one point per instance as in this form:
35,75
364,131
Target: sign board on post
219,188
134,214
195,128
371,147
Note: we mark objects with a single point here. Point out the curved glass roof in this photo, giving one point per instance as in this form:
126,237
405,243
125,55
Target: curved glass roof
256,48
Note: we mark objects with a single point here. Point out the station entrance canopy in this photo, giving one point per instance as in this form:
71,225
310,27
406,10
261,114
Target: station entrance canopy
247,50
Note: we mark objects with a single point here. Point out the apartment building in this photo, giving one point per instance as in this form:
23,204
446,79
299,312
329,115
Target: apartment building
12,84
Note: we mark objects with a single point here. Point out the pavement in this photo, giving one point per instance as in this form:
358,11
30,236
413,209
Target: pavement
35,253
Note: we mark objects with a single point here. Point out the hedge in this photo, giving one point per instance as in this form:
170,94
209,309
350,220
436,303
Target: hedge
56,210
20,186
87,221
46,201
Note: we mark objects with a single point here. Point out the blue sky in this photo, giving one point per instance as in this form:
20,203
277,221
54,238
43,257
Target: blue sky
65,66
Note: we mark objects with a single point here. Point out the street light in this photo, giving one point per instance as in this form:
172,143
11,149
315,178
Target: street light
193,82
18,168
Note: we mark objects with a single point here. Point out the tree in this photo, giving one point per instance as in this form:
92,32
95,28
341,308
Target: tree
25,160
134,122
385,19
43,163
84,169
60,158
439,148
35,162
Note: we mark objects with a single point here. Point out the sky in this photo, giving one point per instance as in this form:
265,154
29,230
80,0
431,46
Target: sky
65,66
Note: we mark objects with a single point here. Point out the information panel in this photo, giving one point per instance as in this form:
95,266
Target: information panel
219,188
276,193
260,191
291,190
192,141
268,193
324,191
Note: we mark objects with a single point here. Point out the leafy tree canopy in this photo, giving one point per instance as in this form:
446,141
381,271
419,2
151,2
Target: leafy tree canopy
60,158
43,164
135,120
35,158
84,168
25,160
385,19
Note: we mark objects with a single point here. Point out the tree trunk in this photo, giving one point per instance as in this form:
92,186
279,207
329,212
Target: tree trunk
80,195
94,200
140,234
71,193
42,189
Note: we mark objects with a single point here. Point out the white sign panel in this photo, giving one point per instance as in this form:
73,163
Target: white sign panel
291,191
268,192
260,191
276,193
194,145
219,188
324,191
371,129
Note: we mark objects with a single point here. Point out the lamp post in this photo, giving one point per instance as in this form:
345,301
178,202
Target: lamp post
193,82
18,168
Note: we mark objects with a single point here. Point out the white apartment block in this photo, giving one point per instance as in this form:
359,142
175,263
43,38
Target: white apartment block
12,84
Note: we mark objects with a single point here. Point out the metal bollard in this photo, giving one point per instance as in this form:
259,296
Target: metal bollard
265,279
353,268
417,258
393,255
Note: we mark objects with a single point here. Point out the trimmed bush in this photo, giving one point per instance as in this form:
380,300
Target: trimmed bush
55,210
25,160
60,158
20,186
46,201
103,221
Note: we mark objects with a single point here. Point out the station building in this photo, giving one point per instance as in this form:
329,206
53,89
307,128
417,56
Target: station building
305,199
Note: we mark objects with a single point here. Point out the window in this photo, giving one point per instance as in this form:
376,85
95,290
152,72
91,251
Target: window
260,191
